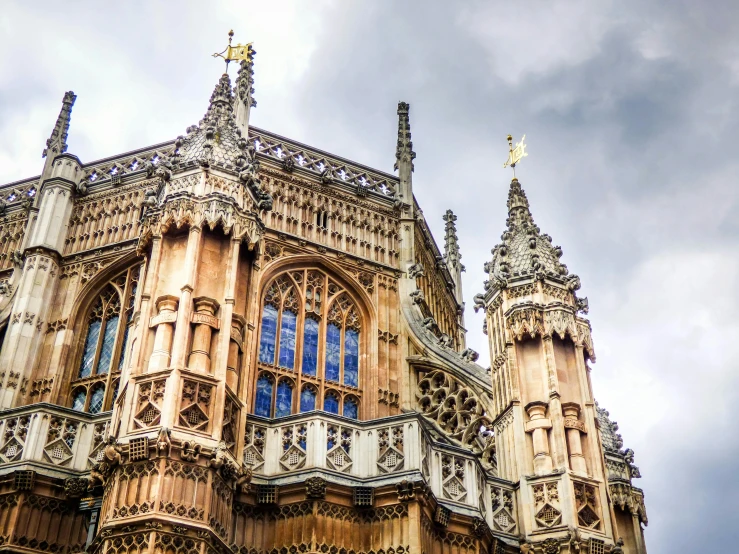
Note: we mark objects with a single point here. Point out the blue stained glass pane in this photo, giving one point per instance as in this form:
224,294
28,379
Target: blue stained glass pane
79,400
310,347
307,400
263,404
333,352
287,339
88,355
96,400
269,335
284,399
351,409
106,352
331,404
351,357
122,357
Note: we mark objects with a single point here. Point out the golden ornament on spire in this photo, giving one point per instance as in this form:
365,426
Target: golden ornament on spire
516,154
236,52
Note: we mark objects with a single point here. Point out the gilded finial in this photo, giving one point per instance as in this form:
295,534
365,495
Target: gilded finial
516,154
237,52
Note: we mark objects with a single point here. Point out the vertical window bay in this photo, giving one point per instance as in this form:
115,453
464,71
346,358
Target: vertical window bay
351,357
333,352
287,339
310,347
269,335
263,404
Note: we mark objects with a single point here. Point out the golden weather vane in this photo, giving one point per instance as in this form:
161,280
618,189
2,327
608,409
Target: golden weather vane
516,154
237,52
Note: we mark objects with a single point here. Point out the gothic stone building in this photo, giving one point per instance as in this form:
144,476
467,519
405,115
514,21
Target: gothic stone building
234,342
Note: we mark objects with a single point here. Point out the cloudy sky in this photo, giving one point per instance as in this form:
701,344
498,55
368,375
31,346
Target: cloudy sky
630,114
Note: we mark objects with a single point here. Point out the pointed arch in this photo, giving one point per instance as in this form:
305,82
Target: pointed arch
312,317
102,321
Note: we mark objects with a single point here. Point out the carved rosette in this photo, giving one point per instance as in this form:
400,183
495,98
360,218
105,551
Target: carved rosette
457,410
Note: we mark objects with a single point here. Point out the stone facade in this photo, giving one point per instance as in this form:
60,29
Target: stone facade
233,342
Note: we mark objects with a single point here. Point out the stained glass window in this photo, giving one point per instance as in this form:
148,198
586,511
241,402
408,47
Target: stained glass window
312,325
263,404
106,353
78,403
269,335
351,408
351,357
287,339
310,347
88,354
96,400
333,352
307,399
284,399
331,403
105,341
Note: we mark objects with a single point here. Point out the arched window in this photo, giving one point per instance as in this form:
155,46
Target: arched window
96,399
331,403
104,346
351,407
310,332
284,402
263,404
79,399
308,398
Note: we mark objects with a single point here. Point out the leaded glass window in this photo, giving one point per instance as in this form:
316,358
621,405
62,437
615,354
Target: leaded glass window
308,399
333,352
263,404
284,402
96,399
309,336
102,353
79,399
310,347
351,357
351,408
331,403
269,335
287,339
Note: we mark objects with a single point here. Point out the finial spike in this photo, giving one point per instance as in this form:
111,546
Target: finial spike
57,142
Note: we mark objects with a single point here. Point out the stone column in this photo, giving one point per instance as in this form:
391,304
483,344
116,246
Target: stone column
538,426
234,348
182,334
164,323
205,321
573,428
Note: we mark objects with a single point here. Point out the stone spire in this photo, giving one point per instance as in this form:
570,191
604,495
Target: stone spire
57,142
404,154
217,140
525,252
451,253
244,92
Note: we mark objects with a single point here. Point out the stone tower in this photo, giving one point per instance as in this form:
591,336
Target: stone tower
235,342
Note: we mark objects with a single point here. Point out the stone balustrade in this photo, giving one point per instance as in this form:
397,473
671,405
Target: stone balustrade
59,441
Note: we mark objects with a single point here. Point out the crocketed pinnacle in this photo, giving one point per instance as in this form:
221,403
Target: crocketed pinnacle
244,89
404,153
451,244
216,140
524,250
57,142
